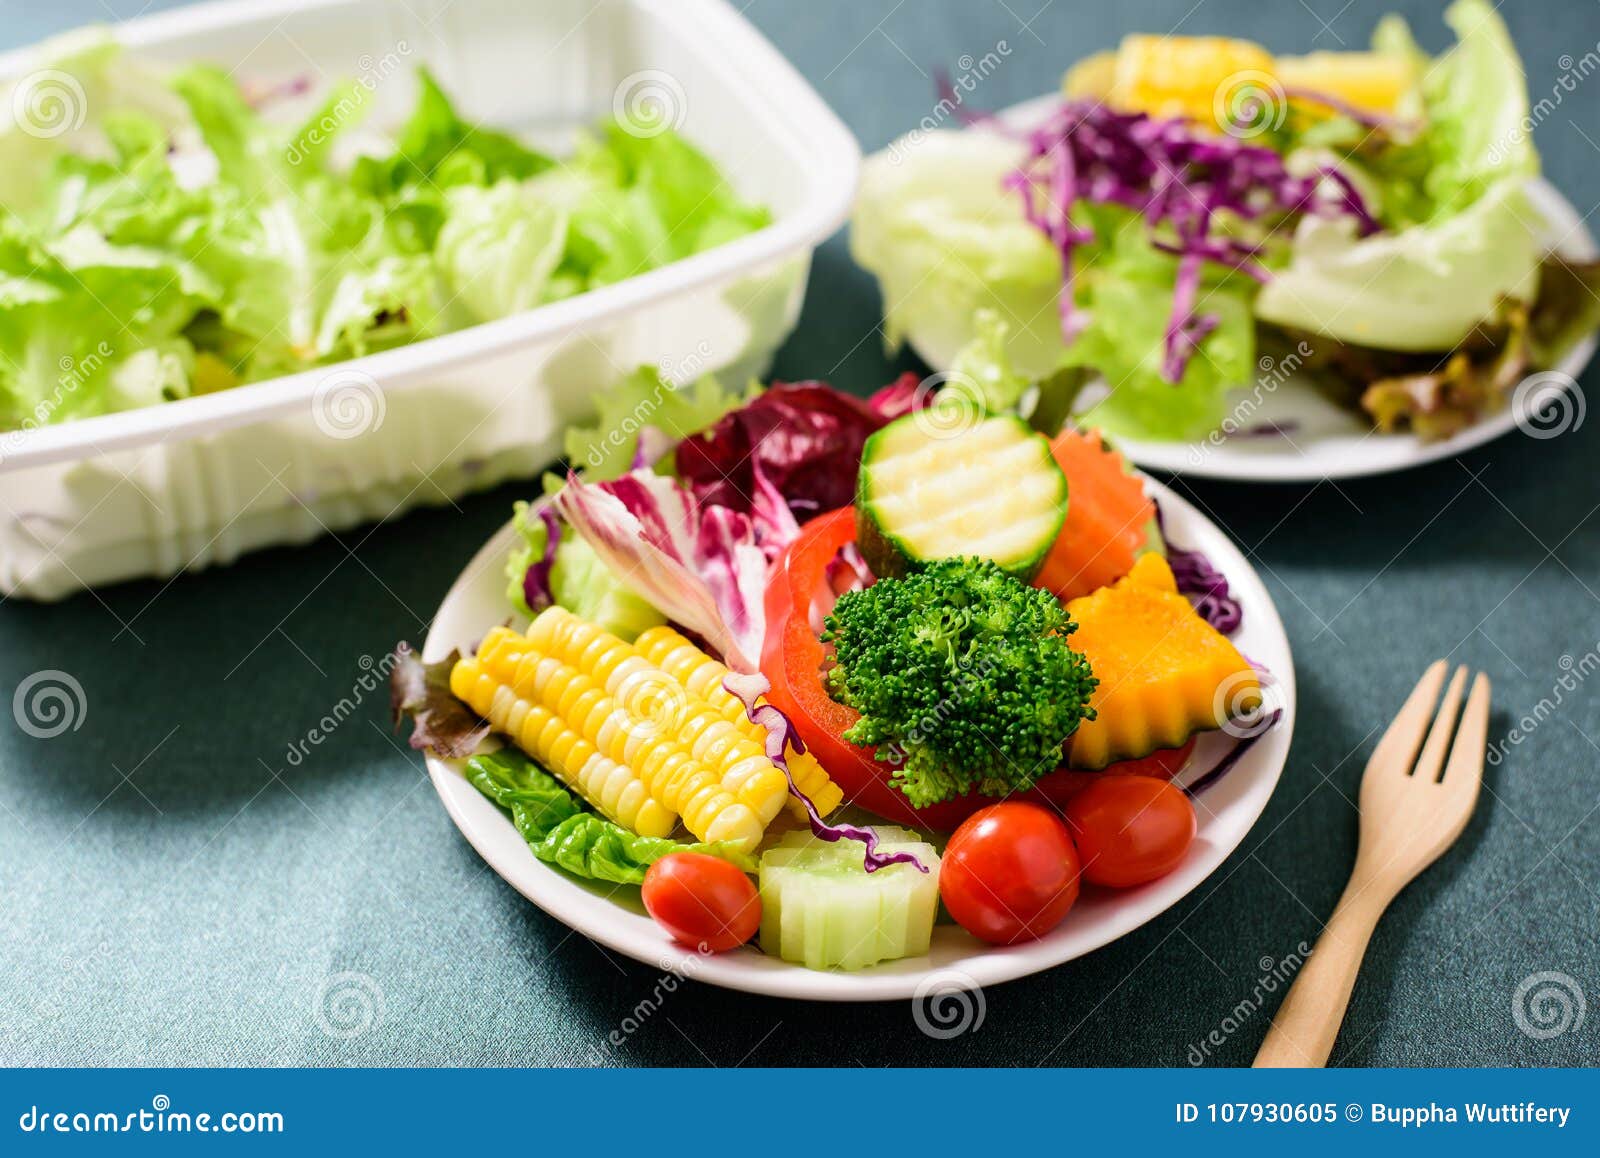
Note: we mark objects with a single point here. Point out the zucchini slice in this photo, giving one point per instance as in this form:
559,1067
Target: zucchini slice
991,490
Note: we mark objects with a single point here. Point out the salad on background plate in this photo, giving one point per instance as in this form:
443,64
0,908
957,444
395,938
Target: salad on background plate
840,691
1250,265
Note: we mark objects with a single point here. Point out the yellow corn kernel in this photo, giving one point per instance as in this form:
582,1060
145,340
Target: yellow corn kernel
1371,81
650,694
1200,77
609,786
643,743
702,677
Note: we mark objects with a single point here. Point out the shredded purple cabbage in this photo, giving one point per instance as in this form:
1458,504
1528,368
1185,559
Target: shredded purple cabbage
1197,577
1179,179
781,735
1235,754
536,580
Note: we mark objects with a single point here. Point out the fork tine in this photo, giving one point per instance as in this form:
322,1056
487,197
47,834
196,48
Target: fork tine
1466,756
1444,726
1399,745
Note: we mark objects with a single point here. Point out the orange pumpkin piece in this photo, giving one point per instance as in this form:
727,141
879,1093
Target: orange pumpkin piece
1165,673
1107,516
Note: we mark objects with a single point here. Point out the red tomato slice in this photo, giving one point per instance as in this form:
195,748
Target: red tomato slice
793,659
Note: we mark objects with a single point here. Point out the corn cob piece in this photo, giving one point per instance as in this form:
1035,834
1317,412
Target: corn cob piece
1191,76
610,787
649,693
702,677
645,743
1372,81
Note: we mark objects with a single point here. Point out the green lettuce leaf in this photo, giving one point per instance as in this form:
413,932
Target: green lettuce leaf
947,240
983,366
437,149
1463,185
560,831
579,581
645,400
498,247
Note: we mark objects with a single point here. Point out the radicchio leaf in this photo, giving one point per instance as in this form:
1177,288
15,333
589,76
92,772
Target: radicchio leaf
900,397
699,563
781,735
441,723
804,437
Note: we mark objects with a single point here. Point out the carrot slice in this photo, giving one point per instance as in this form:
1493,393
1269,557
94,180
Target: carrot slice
1107,513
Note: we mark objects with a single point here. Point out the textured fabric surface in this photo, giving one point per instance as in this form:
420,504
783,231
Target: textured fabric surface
177,891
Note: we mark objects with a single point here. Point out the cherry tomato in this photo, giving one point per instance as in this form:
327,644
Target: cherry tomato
1130,829
1010,873
1058,787
703,901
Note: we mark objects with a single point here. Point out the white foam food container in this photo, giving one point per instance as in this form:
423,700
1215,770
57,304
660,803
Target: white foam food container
196,482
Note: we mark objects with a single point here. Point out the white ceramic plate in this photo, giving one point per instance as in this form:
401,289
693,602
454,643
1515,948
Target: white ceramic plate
613,915
1325,440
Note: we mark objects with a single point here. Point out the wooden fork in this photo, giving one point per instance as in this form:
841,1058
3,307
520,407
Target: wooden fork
1409,815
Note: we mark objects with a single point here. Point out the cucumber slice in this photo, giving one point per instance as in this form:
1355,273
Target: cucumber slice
821,909
991,490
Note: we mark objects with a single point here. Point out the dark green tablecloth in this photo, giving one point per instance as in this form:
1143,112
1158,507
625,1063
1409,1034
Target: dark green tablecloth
176,891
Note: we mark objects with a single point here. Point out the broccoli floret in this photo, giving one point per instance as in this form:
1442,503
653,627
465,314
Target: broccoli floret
963,677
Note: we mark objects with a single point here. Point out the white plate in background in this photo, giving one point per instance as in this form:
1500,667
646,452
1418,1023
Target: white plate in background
1326,441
